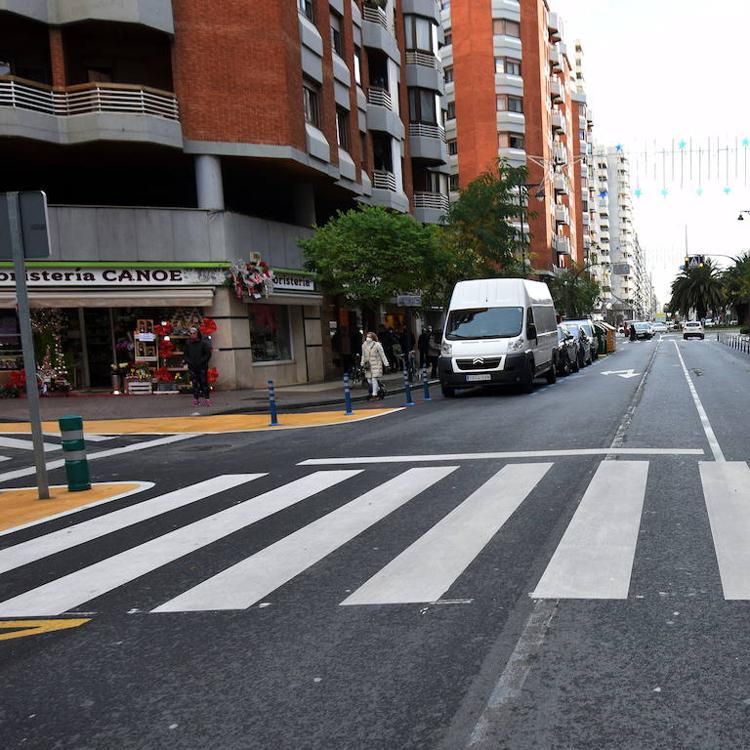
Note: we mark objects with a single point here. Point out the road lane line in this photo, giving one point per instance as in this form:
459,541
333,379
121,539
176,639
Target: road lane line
594,559
71,536
27,445
726,489
88,583
710,435
429,567
250,580
502,455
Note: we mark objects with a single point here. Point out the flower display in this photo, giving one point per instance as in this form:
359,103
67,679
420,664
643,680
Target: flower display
251,277
213,375
208,326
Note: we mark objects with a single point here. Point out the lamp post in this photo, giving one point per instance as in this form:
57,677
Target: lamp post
741,217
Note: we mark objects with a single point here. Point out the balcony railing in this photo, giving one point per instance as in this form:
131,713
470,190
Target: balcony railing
436,201
561,244
87,98
376,15
379,97
558,122
383,180
556,89
562,214
426,131
422,58
561,184
560,154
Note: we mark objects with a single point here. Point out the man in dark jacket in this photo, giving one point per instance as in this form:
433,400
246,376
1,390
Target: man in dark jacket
197,353
423,344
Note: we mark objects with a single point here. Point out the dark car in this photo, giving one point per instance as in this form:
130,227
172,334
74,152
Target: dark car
590,330
585,345
566,352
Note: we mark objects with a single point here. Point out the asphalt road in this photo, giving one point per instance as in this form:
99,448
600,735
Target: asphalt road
636,635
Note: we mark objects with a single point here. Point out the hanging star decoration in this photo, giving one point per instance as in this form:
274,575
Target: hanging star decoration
619,148
602,193
699,191
682,145
746,142
727,190
638,192
664,192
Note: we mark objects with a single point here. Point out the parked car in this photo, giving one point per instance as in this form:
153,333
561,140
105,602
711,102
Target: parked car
659,327
585,356
710,323
693,329
566,352
643,330
498,331
587,325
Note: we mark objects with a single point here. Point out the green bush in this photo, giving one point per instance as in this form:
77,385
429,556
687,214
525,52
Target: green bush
745,330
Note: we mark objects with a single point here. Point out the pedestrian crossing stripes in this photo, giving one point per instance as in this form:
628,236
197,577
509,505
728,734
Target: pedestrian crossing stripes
592,560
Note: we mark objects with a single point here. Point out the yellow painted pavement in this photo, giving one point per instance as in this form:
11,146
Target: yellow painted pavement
219,423
22,628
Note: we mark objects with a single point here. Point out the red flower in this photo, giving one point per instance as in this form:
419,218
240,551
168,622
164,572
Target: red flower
213,375
166,349
163,375
208,326
17,379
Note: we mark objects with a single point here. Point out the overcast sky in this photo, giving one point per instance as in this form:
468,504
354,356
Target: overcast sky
659,71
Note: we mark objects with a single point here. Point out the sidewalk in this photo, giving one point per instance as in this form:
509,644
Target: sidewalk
105,406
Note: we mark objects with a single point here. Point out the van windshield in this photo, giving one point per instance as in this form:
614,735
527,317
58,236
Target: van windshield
484,323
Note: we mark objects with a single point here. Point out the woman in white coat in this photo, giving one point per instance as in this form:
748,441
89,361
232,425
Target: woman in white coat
373,362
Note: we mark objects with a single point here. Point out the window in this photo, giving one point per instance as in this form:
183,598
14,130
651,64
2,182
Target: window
507,66
337,41
270,339
509,103
418,32
311,103
306,8
358,65
448,74
448,38
453,182
450,113
484,323
5,69
422,106
506,27
342,128
453,147
510,140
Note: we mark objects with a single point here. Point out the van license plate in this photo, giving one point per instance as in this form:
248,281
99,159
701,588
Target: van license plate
478,378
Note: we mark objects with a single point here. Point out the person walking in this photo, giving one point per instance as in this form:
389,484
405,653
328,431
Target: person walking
434,353
197,353
632,331
423,344
373,362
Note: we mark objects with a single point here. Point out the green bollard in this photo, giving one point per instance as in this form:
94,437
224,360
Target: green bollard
74,452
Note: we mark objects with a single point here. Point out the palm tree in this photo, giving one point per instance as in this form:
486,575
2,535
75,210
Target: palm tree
737,287
698,289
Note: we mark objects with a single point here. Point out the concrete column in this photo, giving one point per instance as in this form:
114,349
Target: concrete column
208,182
304,204
57,58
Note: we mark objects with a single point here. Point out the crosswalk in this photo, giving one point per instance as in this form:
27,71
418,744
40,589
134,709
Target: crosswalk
593,559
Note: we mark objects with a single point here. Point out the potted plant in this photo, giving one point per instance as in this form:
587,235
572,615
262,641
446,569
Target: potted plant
165,381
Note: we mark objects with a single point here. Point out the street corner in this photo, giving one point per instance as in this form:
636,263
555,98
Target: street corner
21,507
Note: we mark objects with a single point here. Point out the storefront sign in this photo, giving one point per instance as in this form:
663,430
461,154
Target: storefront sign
409,300
292,282
105,277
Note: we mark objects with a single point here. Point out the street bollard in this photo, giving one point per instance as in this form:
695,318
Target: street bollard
407,389
272,404
347,396
426,384
74,453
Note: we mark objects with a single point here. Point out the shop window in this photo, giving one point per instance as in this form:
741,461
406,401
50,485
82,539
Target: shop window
270,337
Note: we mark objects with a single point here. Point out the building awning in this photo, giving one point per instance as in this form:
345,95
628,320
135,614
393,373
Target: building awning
152,297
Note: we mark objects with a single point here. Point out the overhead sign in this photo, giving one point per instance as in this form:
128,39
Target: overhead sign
34,223
409,300
97,277
292,282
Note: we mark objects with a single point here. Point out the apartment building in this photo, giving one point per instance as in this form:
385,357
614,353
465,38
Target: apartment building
512,93
179,141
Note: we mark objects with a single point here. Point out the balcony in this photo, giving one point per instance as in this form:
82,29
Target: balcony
386,192
555,27
560,244
562,214
378,33
559,124
427,142
562,184
383,180
555,58
560,154
88,112
379,97
429,208
556,89
423,70
380,114
427,8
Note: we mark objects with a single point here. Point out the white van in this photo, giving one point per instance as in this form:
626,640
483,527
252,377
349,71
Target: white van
498,331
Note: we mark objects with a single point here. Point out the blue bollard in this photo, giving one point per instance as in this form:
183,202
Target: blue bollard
272,404
347,396
407,389
426,384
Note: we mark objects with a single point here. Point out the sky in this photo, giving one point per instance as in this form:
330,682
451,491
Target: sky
662,72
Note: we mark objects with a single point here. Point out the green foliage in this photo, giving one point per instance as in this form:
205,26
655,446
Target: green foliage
478,228
370,255
737,287
700,289
574,291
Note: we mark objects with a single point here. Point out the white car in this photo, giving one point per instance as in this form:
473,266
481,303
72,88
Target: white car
692,329
659,327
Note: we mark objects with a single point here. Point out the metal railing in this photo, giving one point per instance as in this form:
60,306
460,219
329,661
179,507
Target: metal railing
380,97
376,15
422,130
436,201
739,342
87,98
422,58
383,180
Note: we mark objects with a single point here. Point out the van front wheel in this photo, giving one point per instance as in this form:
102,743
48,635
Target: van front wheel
552,374
448,392
527,382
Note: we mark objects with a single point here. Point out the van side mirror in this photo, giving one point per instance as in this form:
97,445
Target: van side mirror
531,331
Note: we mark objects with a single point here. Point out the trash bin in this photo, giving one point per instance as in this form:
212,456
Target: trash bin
606,335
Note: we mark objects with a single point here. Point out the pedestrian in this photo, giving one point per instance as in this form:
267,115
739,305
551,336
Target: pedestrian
632,331
197,353
434,353
373,362
423,344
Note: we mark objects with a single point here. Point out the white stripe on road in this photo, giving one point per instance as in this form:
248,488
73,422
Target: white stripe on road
26,445
726,488
250,580
429,567
62,539
4,458
561,453
710,435
83,585
594,559
31,470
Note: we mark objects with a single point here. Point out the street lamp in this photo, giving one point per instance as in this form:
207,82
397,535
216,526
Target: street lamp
741,217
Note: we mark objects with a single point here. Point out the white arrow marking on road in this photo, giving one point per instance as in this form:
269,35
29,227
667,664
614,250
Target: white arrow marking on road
622,373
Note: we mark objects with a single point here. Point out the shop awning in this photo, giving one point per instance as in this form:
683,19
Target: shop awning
153,297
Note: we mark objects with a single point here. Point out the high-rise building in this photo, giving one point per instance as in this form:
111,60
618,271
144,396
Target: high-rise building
513,95
175,138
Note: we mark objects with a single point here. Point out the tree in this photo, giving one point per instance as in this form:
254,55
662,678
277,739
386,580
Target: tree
370,255
698,289
574,291
737,287
478,227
